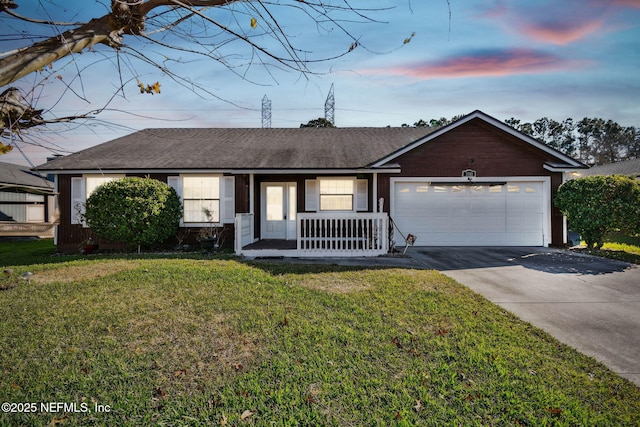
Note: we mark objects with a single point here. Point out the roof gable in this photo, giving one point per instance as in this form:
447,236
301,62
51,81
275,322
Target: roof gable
563,160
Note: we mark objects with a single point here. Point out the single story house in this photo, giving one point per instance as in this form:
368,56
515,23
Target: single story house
26,202
338,191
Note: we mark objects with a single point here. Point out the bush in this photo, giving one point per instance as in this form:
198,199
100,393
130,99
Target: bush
596,205
135,211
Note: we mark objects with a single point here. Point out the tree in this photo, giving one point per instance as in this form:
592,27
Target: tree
238,34
597,205
591,140
601,142
135,211
320,122
434,123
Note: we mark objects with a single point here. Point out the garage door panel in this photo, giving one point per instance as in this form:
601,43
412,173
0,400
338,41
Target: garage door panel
463,215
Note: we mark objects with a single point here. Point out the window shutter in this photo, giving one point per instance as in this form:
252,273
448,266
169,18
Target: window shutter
311,195
227,201
78,199
176,183
362,196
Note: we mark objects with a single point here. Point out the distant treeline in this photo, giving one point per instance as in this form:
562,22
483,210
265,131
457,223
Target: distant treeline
593,141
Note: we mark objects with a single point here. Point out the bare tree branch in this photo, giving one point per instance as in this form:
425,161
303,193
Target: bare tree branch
166,24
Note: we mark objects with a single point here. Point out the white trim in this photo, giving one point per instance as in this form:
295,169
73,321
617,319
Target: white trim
375,193
546,193
56,207
395,169
488,119
289,224
563,169
354,180
252,193
225,200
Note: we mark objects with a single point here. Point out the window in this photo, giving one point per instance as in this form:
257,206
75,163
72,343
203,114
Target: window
81,188
440,189
94,181
513,188
201,195
336,194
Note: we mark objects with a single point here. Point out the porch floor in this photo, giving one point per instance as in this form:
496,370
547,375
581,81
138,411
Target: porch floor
272,244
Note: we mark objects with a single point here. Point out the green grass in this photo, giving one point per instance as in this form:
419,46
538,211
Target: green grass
198,342
17,252
621,247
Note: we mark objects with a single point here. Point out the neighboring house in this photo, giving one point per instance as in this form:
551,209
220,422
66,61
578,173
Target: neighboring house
331,191
626,167
26,202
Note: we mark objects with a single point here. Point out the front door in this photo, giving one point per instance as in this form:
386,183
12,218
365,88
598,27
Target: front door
278,210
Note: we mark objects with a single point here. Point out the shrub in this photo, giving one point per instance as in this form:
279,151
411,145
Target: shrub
135,211
596,205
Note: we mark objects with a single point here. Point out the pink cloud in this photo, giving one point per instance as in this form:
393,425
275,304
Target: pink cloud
635,4
559,23
491,63
561,33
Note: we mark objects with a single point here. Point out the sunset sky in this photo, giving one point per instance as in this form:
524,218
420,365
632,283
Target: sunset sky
524,59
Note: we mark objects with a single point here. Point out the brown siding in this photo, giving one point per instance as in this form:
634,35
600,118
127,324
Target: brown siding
242,194
71,236
479,146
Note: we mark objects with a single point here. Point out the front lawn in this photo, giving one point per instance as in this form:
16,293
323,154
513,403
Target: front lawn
197,342
621,247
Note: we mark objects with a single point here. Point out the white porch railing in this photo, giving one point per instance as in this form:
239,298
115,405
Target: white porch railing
243,231
343,234
335,234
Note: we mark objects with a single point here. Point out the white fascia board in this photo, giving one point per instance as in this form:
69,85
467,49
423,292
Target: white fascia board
313,171
567,168
223,172
134,171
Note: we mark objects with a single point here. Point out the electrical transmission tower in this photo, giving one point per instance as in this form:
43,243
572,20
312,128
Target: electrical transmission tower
330,107
266,112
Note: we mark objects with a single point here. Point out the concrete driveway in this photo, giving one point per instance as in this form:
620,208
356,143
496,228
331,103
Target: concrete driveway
589,303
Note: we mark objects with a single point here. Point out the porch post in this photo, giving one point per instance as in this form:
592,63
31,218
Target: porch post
375,192
251,194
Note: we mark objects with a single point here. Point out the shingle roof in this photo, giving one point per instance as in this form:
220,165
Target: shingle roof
21,178
241,148
625,167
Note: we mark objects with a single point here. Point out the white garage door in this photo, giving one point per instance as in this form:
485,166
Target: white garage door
505,214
